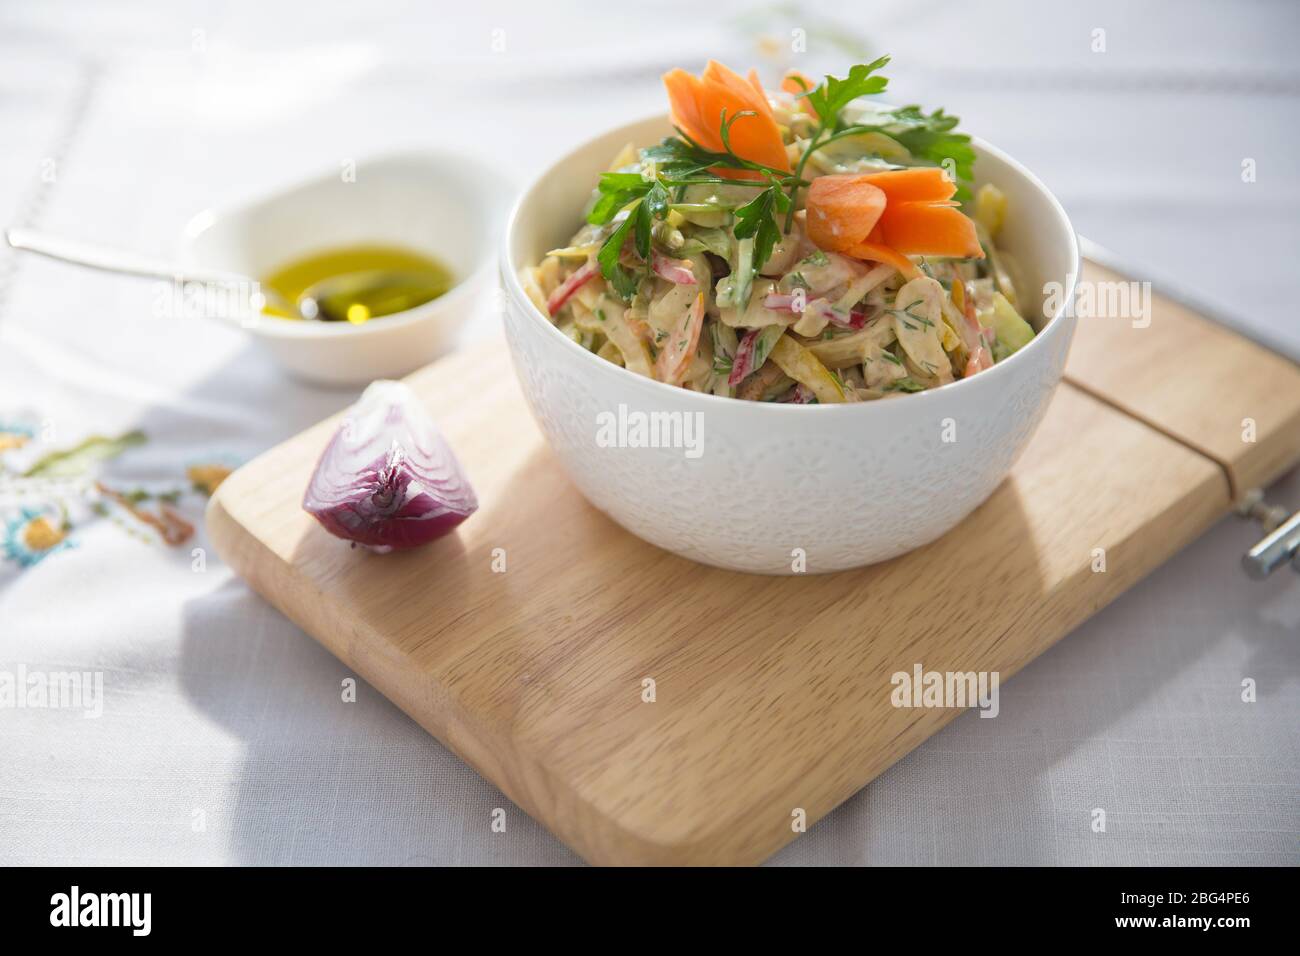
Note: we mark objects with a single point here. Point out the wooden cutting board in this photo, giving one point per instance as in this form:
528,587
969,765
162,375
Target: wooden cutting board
771,695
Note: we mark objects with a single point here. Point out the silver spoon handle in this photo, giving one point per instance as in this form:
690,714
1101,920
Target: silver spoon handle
1281,546
108,259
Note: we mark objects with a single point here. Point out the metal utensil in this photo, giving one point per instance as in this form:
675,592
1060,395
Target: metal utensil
336,299
107,259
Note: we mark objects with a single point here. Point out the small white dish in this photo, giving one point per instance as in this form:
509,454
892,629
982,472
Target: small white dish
441,204
782,489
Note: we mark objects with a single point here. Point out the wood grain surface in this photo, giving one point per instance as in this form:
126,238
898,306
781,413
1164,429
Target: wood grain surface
1191,379
772,695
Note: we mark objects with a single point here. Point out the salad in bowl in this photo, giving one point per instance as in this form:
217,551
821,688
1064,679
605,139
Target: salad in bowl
750,254
802,246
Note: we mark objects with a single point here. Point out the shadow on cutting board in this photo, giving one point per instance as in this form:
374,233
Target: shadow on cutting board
328,781
1074,734
324,780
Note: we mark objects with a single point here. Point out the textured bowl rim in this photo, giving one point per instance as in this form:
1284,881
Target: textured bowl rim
510,278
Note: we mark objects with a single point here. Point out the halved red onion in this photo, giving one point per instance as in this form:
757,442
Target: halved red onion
387,479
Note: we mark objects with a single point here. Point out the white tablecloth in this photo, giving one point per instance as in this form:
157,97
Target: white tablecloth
223,738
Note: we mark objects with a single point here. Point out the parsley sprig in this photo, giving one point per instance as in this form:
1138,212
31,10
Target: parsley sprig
928,138
650,202
679,161
757,218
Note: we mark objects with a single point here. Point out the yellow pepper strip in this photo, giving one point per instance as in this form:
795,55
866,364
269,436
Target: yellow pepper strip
802,366
990,208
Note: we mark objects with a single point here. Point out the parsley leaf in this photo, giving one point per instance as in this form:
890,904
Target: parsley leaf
656,200
930,138
757,218
621,279
616,191
676,157
652,205
832,95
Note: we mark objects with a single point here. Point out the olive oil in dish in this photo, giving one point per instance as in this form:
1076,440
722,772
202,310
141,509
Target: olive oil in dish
357,284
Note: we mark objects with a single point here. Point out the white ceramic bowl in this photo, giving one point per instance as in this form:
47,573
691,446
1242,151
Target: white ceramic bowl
839,485
436,203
